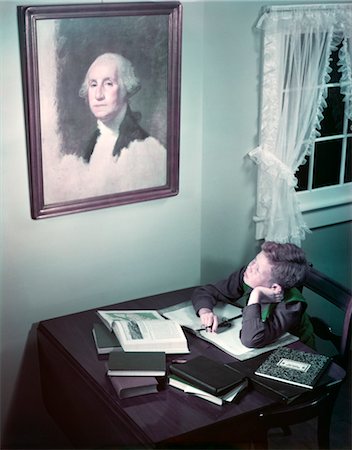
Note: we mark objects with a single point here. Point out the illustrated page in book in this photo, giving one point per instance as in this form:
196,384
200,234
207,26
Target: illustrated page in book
145,330
109,316
227,339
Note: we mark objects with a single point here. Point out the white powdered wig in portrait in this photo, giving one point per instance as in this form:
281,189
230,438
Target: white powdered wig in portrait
66,176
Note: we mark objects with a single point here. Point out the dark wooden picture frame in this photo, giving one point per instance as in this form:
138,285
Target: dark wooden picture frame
59,46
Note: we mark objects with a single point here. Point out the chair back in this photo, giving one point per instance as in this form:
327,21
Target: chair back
341,297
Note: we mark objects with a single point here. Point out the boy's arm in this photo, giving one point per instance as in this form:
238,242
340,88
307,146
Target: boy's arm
285,317
227,290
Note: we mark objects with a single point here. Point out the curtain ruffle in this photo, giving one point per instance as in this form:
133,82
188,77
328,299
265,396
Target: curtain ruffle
345,63
297,19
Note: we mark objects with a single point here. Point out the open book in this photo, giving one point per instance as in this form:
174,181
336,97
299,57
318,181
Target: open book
145,330
227,338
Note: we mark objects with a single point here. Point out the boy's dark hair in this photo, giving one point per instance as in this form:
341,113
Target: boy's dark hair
289,264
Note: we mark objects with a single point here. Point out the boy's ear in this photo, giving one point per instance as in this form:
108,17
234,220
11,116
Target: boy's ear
277,287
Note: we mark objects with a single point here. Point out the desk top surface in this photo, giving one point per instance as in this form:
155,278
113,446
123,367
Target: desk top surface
177,412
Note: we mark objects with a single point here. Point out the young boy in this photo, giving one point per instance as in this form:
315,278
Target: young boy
272,305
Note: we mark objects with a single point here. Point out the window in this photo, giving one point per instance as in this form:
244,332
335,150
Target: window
325,180
306,114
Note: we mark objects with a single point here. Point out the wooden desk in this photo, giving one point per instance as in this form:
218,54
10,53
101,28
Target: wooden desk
82,401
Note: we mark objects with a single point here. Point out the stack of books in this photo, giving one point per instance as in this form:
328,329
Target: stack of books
294,367
286,374
136,342
131,373
135,373
208,379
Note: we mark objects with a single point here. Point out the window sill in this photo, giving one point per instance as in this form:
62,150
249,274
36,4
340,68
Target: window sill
321,207
328,216
326,206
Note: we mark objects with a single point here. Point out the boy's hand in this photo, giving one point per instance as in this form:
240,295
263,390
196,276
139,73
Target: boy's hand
261,294
208,319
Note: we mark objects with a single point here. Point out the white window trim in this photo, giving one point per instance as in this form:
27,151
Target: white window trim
327,205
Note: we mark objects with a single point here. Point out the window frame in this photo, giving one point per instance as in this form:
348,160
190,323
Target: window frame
332,204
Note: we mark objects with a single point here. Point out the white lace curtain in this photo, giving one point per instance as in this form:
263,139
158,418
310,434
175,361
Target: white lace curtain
298,42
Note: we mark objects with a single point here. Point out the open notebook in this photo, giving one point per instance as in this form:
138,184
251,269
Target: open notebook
227,339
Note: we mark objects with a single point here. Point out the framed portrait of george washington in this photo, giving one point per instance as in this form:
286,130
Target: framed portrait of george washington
101,87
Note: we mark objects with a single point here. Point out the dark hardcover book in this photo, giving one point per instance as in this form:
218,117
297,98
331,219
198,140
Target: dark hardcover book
231,396
294,367
105,340
127,387
209,375
277,390
136,364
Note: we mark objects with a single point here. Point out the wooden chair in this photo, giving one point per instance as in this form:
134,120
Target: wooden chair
318,403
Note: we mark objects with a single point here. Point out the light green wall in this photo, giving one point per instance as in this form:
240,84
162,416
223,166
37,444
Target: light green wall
230,110
60,265
330,250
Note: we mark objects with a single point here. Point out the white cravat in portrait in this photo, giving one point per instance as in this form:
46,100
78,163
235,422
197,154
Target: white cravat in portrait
102,155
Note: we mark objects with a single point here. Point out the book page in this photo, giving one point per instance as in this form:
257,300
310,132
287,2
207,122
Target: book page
189,389
184,313
229,341
108,317
151,330
153,335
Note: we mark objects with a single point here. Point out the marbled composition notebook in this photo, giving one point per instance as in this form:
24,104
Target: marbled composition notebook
294,367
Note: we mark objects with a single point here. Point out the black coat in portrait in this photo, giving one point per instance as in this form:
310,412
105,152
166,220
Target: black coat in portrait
130,130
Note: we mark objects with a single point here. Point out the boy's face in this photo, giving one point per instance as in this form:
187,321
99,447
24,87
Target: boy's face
258,272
